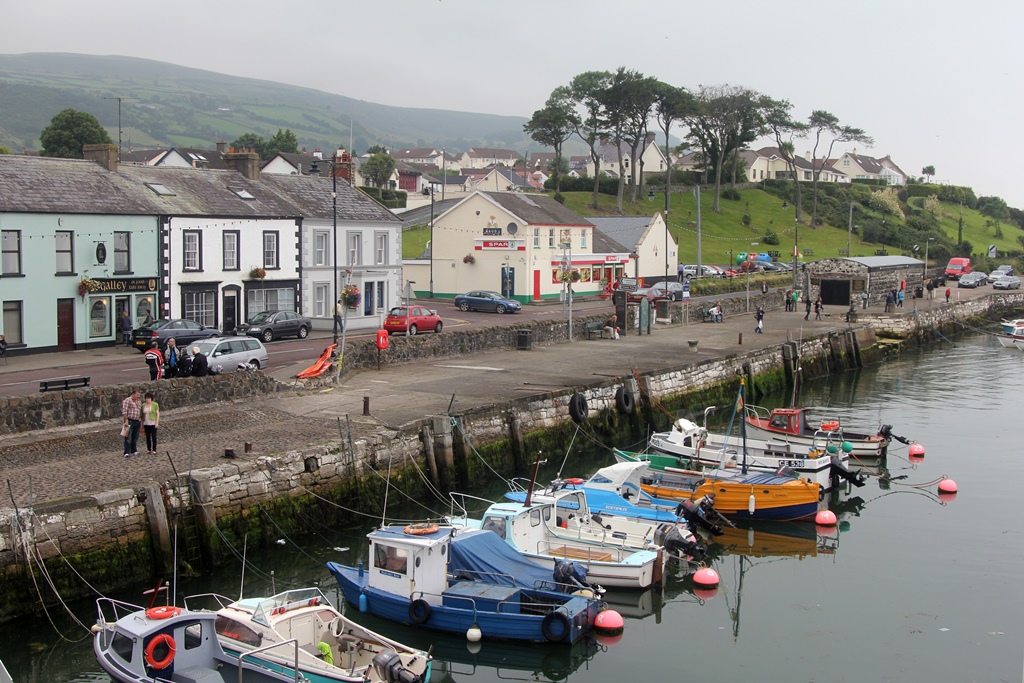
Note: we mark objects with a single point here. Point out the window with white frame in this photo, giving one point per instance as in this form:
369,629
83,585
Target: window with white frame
231,238
355,249
270,255
122,252
321,299
64,241
380,248
12,330
200,307
10,252
583,239
191,241
551,238
536,238
380,294
320,241
280,299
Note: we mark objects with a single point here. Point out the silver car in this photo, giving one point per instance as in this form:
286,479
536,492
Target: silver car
229,354
1007,282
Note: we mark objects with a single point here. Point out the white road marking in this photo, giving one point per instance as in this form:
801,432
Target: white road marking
473,367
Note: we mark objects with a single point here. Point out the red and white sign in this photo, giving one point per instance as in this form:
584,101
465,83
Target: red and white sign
500,245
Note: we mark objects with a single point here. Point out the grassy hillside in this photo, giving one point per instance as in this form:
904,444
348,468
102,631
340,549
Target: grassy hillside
183,106
723,232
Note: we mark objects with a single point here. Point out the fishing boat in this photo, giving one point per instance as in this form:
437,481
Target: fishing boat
692,447
468,581
331,647
539,530
138,645
792,426
1019,343
1015,326
750,495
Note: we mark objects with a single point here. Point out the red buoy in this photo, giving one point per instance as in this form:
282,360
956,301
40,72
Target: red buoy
825,518
916,450
705,593
606,639
609,622
706,577
947,486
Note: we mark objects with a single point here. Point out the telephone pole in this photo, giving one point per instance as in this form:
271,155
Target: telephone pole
119,101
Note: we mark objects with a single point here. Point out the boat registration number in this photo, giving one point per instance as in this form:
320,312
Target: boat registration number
790,463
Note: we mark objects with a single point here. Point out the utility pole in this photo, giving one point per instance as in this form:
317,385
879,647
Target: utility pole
700,269
849,232
122,99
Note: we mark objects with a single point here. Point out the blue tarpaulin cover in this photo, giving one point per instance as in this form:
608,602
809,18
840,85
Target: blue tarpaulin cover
487,556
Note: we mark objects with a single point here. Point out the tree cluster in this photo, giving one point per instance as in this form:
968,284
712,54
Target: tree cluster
281,141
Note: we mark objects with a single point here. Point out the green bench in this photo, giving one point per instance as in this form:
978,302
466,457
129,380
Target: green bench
594,327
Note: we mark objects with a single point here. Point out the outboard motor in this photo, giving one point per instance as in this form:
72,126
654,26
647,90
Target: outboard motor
672,539
570,575
696,515
837,470
388,666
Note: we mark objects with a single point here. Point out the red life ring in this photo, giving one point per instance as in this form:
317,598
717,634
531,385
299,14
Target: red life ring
163,612
421,529
160,639
830,426
575,481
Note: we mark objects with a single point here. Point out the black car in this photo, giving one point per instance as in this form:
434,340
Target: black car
184,332
270,325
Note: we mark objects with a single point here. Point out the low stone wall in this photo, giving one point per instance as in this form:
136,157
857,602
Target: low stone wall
92,404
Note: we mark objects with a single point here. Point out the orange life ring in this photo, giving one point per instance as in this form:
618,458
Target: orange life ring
164,639
575,481
421,529
830,426
163,612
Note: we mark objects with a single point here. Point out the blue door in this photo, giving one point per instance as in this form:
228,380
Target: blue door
508,281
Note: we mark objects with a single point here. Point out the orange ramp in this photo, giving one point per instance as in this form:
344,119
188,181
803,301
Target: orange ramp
320,366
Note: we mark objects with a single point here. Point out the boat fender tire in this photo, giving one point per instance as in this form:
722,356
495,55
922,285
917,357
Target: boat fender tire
624,400
160,639
578,408
419,611
555,627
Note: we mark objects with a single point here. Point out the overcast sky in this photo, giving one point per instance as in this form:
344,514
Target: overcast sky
934,82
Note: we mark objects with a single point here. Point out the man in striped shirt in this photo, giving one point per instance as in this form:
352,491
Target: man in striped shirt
131,409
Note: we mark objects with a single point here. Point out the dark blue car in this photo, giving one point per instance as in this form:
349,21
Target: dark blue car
482,300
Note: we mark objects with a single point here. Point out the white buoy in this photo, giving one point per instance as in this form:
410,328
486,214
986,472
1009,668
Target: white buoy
751,504
474,647
473,634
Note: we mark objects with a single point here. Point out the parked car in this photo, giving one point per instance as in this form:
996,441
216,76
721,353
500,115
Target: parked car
958,267
673,291
999,272
271,325
416,317
184,332
483,300
1007,282
231,354
972,280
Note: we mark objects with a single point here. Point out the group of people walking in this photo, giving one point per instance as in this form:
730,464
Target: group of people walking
175,362
139,415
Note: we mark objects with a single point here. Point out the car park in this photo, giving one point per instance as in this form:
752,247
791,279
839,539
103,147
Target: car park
972,280
271,325
1007,282
483,300
230,354
1000,272
184,331
416,318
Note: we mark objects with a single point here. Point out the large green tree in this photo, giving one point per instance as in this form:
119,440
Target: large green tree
377,169
588,92
671,104
629,102
784,128
249,141
282,141
68,131
553,125
826,125
928,172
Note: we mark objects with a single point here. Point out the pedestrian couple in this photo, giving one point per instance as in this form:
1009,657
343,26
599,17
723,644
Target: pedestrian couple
139,414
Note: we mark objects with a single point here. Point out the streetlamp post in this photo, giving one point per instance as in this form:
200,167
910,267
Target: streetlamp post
315,170
431,241
930,239
796,240
753,244
849,232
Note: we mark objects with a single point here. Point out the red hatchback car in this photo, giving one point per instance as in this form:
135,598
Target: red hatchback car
417,318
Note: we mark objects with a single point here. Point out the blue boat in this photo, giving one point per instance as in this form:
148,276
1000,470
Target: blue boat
468,582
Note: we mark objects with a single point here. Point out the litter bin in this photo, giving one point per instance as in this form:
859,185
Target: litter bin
525,340
918,292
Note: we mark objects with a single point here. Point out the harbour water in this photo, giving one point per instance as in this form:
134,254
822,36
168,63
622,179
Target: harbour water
911,587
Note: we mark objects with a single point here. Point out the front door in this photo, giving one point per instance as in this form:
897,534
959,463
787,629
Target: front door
508,281
65,324
230,308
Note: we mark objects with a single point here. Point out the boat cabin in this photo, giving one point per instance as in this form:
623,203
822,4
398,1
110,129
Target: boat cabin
410,560
789,421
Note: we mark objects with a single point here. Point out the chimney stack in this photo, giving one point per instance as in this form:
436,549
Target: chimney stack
222,147
318,153
105,154
246,163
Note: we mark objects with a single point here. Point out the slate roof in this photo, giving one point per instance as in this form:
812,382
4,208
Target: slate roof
203,192
312,197
536,209
416,153
32,184
886,262
623,230
492,153
421,214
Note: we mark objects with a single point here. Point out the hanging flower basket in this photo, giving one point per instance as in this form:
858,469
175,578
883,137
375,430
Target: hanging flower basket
569,276
86,285
351,296
258,273
469,258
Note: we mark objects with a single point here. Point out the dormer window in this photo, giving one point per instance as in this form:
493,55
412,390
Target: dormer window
160,189
242,193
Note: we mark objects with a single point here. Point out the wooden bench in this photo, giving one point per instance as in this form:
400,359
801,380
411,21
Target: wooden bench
580,554
706,316
62,384
595,327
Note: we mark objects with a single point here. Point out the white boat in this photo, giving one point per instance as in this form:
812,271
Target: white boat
694,448
331,647
1015,326
793,426
1009,340
533,529
138,645
1019,343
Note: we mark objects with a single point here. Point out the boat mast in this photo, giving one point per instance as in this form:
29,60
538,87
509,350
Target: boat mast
743,422
533,479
